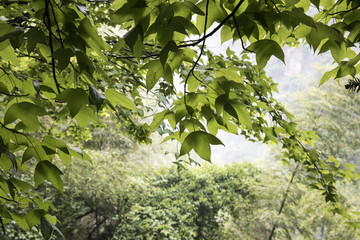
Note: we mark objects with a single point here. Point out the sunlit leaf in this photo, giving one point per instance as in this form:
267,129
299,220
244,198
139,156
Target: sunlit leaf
199,141
265,49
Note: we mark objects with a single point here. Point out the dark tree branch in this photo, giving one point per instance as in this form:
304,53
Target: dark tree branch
14,95
13,130
84,214
345,11
215,29
238,31
57,25
47,15
2,225
6,2
35,57
131,73
148,55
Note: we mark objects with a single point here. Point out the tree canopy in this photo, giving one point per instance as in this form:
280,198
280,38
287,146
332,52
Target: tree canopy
65,62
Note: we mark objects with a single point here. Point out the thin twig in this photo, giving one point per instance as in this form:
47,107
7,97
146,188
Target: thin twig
35,57
12,2
345,11
14,95
47,15
201,51
238,31
215,29
57,25
148,55
12,130
131,73
275,6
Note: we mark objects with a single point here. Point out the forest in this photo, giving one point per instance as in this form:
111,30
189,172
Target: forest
179,119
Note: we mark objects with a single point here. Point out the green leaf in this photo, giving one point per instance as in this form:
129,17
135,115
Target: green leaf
45,170
63,57
25,111
134,39
115,97
34,36
118,45
87,29
75,98
183,25
78,153
316,3
55,143
226,34
85,116
24,186
265,49
5,150
34,217
155,71
345,69
3,88
328,75
199,141
243,114
45,51
46,228
7,52
20,220
157,120
85,63
170,46
96,97
117,4
35,151
5,28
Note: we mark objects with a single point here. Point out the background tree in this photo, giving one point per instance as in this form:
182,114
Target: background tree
331,111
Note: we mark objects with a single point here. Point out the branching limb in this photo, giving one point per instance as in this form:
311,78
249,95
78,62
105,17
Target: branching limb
215,29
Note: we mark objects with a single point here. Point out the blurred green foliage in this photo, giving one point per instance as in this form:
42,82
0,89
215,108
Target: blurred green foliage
236,201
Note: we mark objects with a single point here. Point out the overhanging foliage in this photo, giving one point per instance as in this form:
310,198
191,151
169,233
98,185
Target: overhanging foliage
56,67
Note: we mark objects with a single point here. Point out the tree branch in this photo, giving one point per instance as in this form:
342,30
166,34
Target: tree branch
201,53
47,15
345,11
215,29
238,31
286,194
14,95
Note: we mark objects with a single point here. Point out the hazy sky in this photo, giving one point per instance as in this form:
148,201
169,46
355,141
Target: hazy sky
302,68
